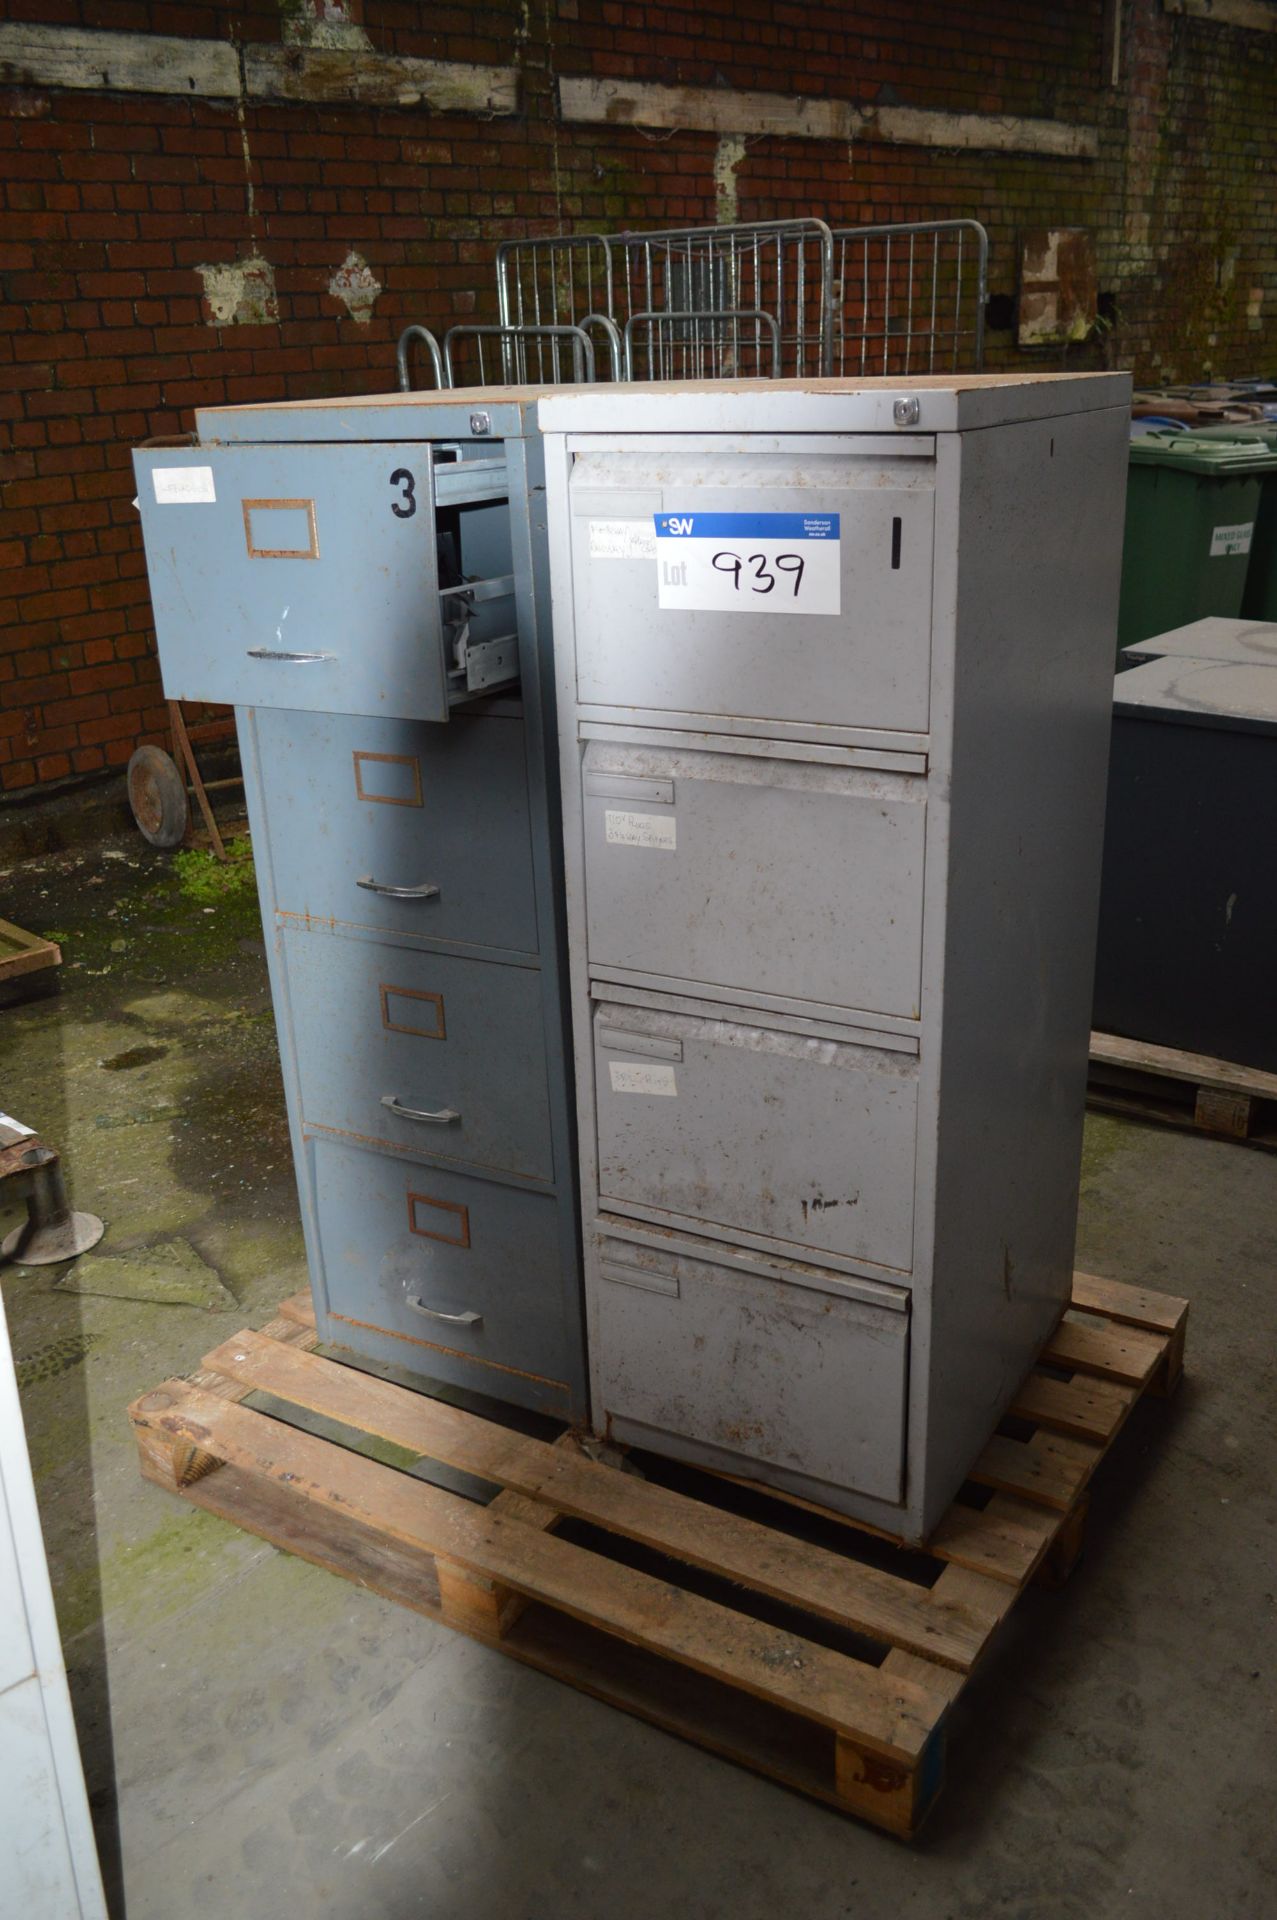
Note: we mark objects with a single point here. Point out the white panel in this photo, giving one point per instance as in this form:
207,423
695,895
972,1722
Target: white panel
16,1657
48,1861
37,1881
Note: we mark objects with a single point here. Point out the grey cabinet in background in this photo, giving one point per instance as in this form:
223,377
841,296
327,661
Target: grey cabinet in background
833,707
366,581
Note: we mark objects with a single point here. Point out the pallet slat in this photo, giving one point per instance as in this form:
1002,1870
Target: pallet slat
1005,1540
1089,1409
22,952
1050,1468
1129,1306
895,1717
1114,1353
864,1599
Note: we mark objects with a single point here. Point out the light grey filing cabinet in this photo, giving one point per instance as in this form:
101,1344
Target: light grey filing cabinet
366,582
834,675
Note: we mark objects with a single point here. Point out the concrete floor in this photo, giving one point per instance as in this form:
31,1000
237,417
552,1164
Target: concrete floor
261,1737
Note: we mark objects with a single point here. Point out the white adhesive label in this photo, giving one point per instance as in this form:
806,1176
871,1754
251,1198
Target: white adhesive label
770,563
184,486
641,829
622,540
627,1076
1236,539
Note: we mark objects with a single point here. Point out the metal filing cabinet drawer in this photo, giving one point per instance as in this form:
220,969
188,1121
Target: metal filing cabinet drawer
868,668
450,1265
802,1376
457,1045
741,1128
308,577
763,874
404,807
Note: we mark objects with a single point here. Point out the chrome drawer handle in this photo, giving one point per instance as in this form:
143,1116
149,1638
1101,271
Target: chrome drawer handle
424,892
292,659
443,1118
449,1319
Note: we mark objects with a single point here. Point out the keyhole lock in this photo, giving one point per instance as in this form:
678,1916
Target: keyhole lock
906,413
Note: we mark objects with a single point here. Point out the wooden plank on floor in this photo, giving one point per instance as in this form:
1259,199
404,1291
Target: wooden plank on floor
1089,1408
22,952
1051,1468
1129,1306
870,1601
1200,1069
893,1716
1124,1354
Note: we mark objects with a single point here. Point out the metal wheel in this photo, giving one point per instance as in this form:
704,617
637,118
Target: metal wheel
157,795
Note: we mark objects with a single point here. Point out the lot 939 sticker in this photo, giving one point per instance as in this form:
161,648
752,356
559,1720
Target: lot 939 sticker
749,562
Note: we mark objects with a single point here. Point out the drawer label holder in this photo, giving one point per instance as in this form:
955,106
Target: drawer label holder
773,563
184,486
627,829
635,1076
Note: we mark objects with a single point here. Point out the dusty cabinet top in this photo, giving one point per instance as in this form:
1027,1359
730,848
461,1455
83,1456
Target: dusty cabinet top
930,404
945,404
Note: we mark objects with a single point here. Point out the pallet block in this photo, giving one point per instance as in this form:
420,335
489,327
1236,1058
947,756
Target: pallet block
669,1607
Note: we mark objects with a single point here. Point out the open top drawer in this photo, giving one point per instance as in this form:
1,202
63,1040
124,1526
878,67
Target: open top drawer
330,579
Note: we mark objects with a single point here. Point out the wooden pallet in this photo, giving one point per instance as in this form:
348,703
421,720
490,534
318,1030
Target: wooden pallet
798,1644
25,962
1193,1090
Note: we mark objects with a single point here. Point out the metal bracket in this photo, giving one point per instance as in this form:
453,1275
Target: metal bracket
491,663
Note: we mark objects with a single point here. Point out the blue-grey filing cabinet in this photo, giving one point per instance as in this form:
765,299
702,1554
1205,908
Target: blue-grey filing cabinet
834,668
365,581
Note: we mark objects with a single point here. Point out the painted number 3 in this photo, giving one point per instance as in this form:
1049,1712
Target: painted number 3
764,580
406,505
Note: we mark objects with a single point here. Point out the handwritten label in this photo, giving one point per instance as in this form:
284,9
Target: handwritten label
749,562
1228,540
627,1076
625,829
622,540
184,486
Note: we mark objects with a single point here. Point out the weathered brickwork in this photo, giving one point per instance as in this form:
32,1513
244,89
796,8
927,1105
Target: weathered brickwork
159,252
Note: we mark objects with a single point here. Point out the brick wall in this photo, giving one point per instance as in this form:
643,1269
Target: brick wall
114,200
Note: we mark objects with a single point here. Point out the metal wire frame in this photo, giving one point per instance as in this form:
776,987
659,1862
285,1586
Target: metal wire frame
515,346
402,365
893,298
910,297
554,280
705,339
781,270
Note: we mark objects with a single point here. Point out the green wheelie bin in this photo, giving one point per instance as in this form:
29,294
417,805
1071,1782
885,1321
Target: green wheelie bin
1191,510
1259,601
